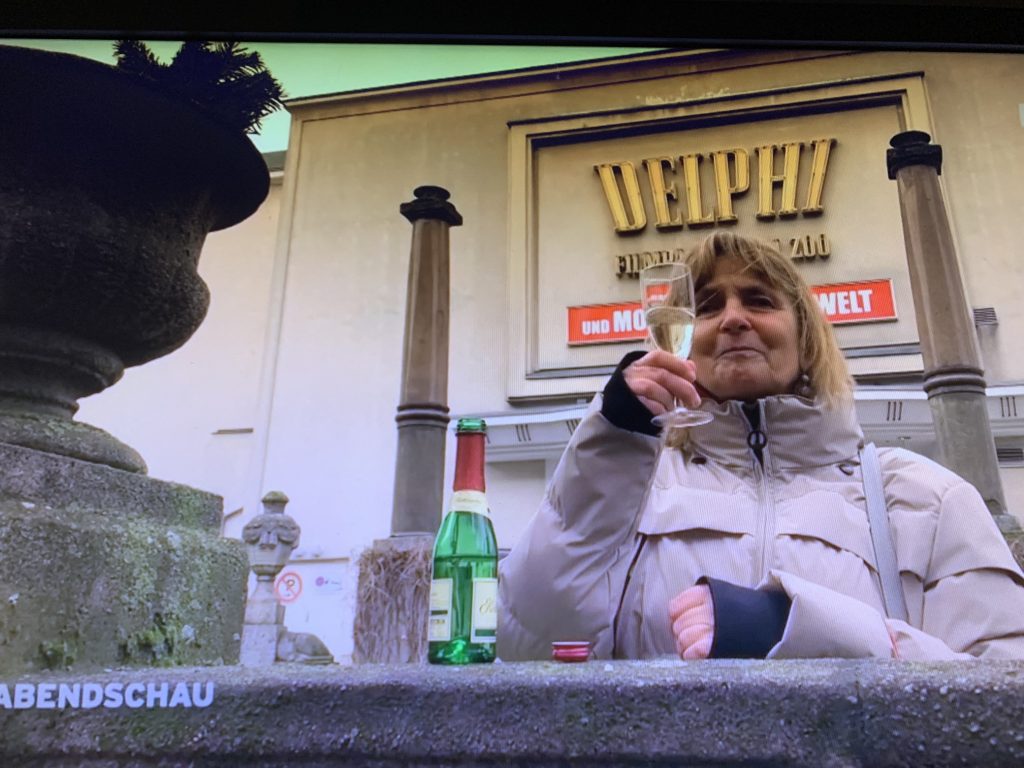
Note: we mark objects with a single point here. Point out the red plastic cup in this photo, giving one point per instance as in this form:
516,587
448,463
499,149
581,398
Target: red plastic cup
571,650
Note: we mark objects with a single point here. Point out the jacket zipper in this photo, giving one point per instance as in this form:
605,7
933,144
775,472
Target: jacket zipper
766,502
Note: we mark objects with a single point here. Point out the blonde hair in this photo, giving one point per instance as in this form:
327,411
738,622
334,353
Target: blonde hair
820,356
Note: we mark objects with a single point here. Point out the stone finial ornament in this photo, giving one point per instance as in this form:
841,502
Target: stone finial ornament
271,536
270,539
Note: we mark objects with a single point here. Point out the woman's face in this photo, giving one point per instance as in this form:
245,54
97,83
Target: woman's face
745,338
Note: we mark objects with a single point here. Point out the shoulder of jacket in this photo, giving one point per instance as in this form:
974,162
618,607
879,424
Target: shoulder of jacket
915,479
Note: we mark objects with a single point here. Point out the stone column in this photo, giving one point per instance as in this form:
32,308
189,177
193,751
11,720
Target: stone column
394,574
423,404
953,376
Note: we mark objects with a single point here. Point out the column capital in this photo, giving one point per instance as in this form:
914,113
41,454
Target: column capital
431,203
912,148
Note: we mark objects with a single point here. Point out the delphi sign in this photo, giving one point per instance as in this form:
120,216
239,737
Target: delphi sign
683,204
860,302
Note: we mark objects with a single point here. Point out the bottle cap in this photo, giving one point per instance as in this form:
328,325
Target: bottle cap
571,650
471,425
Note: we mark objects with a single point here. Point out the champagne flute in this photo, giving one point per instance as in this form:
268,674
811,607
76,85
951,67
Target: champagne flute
669,308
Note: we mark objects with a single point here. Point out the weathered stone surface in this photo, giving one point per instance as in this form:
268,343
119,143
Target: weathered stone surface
46,479
797,713
74,439
100,567
85,591
259,645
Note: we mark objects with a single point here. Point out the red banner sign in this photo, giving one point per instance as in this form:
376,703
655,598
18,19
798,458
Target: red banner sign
601,323
860,302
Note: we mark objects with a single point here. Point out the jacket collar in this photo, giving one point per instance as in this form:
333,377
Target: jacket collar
799,433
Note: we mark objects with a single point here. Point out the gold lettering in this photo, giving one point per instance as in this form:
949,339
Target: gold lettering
629,264
797,249
725,185
661,192
620,266
637,218
819,164
824,246
694,205
768,179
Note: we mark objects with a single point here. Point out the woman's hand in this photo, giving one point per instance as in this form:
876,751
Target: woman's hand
658,378
693,622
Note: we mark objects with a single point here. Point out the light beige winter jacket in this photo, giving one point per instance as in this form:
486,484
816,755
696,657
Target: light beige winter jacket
626,526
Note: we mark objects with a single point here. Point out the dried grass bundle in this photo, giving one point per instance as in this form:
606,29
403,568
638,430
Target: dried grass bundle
393,601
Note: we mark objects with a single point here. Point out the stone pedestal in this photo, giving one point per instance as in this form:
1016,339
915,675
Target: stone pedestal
102,568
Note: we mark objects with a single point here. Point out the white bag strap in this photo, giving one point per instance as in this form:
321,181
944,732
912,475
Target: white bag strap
881,539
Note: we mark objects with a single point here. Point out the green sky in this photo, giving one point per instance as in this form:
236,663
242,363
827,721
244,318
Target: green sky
305,69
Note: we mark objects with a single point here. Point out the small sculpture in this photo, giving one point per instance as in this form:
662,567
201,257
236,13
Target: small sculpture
270,538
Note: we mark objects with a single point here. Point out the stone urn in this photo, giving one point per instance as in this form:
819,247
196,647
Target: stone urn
108,189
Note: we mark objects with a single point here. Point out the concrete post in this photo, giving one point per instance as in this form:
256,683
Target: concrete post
953,376
423,406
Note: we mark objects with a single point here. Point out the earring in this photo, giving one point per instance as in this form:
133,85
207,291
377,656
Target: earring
803,386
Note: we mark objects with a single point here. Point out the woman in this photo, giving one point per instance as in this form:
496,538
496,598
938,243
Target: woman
749,536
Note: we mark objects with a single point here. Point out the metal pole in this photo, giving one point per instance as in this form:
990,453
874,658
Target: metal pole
953,375
423,406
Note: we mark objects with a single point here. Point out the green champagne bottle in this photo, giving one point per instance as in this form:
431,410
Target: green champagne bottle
464,588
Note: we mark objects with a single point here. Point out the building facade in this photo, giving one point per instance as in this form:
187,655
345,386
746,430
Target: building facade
569,179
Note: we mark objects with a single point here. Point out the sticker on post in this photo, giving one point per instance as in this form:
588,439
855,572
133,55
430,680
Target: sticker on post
288,587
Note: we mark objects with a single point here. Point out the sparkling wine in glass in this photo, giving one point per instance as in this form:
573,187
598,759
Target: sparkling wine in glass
667,293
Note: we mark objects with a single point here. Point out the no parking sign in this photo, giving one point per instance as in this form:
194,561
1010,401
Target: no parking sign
288,587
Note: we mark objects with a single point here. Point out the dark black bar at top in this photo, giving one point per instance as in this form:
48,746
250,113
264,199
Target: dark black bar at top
823,23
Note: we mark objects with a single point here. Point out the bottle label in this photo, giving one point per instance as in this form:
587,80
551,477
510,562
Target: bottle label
484,628
440,630
470,501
